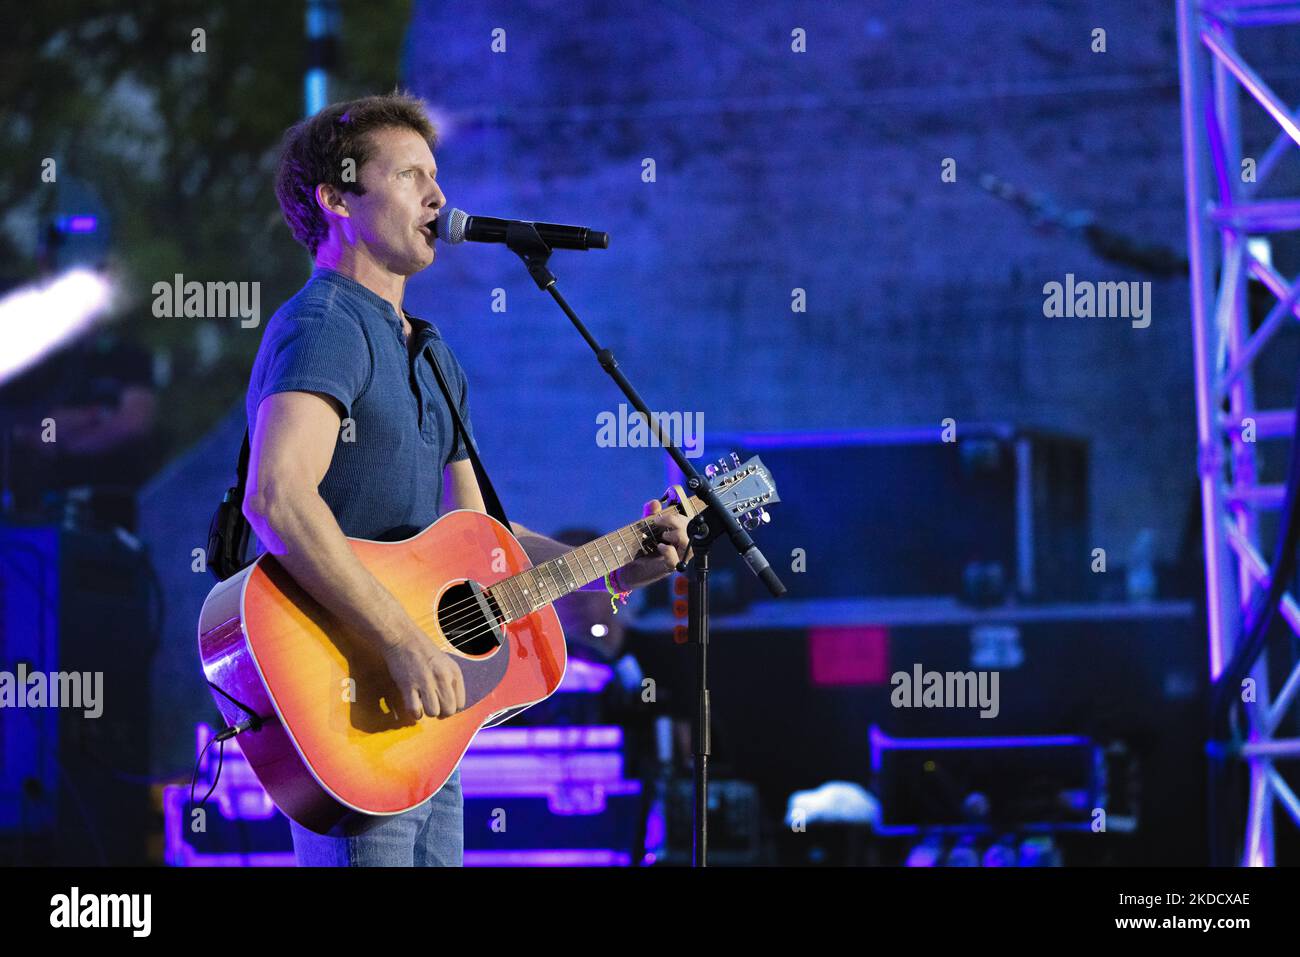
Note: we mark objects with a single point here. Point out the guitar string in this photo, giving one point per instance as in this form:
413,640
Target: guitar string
477,633
649,526
472,603
456,616
464,609
468,605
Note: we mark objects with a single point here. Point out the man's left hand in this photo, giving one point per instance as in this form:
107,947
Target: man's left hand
674,546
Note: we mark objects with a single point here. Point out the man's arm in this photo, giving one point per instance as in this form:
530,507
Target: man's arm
291,450
463,492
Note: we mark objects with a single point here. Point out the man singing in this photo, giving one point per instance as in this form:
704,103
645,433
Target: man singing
357,184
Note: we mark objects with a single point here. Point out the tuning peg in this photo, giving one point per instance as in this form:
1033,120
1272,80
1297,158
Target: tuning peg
710,471
748,521
735,460
763,516
725,467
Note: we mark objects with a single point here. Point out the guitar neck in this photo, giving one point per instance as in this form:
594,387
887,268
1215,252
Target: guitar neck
526,592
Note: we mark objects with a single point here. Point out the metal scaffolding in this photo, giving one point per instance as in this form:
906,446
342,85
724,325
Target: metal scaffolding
1225,212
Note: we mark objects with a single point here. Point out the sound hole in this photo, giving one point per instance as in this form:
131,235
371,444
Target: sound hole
469,619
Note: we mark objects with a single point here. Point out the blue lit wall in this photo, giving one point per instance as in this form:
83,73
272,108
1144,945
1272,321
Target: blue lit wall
820,170
778,170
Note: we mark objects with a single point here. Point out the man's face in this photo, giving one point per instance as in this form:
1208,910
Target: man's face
393,220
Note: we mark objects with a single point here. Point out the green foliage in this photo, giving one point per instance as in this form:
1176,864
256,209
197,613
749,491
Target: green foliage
181,146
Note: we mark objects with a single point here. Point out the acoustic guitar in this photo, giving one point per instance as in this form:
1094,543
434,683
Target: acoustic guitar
316,703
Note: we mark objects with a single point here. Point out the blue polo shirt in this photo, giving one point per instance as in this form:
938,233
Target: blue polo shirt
337,337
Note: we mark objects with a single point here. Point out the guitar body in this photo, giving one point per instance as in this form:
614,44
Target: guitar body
333,751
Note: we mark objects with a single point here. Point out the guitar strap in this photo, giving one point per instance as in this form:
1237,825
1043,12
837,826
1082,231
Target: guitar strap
229,530
490,500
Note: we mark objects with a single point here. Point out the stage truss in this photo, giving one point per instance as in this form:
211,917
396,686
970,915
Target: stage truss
1226,219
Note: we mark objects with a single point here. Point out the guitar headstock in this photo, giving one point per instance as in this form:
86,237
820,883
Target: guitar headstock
744,488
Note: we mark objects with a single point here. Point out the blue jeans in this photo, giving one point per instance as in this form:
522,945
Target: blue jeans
431,835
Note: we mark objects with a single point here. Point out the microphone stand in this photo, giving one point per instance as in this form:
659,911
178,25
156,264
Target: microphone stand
711,523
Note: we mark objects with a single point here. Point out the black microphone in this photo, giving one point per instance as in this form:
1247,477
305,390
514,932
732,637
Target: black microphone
454,226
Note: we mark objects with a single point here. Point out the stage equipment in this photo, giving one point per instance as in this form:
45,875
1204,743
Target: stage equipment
1229,221
804,681
551,796
988,513
78,611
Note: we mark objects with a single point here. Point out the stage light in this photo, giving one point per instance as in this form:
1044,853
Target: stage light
77,224
36,320
1261,249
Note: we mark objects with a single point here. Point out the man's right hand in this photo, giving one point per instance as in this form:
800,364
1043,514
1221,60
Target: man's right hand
291,450
429,683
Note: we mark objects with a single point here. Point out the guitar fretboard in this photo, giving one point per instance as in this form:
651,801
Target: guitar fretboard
524,593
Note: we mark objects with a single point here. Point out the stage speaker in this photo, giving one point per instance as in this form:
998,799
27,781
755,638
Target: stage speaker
551,796
80,610
996,512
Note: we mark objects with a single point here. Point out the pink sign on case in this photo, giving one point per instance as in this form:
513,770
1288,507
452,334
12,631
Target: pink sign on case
854,655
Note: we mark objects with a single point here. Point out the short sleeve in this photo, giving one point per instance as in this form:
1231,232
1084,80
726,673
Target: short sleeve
314,350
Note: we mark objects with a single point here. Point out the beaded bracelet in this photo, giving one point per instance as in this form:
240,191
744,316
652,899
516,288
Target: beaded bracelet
614,593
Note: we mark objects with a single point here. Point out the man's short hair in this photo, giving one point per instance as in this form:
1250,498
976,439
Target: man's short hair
315,149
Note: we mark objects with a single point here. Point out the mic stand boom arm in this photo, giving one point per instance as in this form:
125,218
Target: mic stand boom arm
523,239
714,521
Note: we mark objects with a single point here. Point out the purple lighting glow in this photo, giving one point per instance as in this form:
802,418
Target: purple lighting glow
542,738
181,854
586,675
78,224
574,768
881,742
575,858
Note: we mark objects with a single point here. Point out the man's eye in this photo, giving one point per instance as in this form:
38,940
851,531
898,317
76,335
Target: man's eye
406,172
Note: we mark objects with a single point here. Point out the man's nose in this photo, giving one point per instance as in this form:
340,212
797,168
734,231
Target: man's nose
436,199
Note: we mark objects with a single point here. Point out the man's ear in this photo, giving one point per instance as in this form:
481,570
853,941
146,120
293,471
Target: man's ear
330,200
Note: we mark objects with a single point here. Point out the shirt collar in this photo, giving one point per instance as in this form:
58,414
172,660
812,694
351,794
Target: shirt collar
373,298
